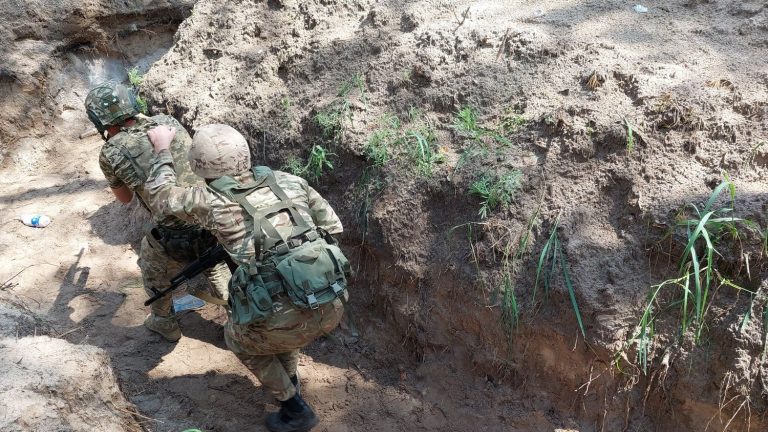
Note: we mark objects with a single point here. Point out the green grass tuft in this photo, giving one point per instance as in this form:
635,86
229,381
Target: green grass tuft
316,166
495,191
550,258
414,141
135,78
705,228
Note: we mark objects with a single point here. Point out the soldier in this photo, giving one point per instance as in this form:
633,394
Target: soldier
125,161
290,283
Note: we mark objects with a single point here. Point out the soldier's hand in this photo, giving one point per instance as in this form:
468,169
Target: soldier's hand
161,137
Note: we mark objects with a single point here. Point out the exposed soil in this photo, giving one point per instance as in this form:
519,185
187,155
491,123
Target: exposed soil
690,78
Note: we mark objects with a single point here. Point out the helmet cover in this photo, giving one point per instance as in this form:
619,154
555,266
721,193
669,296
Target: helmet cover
219,150
110,104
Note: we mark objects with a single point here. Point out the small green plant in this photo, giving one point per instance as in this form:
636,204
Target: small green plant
415,141
135,78
143,108
382,142
294,165
550,259
697,278
333,119
512,123
422,145
495,191
467,125
317,163
287,117
630,137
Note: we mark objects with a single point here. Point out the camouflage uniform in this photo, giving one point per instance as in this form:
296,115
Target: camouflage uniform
269,349
125,160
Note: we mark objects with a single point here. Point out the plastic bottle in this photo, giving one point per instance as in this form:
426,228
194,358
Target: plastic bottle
36,220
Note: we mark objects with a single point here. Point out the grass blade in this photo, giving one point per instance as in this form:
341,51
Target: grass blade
571,293
692,239
716,193
543,258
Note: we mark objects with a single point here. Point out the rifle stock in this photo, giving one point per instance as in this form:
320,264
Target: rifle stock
206,260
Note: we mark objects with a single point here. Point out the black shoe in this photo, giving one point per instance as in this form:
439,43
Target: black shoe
294,416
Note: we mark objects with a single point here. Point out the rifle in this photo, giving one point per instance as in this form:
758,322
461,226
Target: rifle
206,260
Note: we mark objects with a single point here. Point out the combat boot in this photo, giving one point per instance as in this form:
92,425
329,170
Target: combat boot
294,416
168,327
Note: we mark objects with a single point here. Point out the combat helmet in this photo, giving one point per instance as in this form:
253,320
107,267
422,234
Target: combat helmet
219,150
110,104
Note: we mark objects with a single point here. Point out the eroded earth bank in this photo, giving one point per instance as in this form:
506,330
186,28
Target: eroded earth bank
608,127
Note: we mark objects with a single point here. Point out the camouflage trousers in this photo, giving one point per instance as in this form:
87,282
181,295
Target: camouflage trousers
157,269
271,349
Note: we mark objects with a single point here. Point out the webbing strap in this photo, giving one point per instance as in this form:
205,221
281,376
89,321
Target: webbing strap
260,224
292,207
239,192
139,170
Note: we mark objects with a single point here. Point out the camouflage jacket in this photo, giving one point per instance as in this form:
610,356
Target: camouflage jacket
225,218
126,158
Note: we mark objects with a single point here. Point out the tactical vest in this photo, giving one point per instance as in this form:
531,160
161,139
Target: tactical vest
310,270
181,240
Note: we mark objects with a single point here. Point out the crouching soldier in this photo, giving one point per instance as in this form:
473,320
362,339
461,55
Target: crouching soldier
291,280
125,161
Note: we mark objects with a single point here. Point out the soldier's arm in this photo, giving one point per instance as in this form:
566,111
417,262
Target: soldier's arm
322,212
191,204
119,189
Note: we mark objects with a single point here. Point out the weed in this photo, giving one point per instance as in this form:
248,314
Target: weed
368,188
510,311
494,191
551,256
317,163
421,145
380,146
143,108
415,141
466,124
333,118
294,165
697,277
630,137
754,151
135,78
512,123
287,117
590,128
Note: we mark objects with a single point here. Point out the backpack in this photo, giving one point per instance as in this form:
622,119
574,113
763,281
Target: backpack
310,270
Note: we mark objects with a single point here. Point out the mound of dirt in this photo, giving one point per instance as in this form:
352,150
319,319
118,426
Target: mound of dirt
51,384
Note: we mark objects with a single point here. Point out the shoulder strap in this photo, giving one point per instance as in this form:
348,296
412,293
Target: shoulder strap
263,177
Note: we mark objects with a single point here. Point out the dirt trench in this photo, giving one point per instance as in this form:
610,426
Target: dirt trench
434,351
